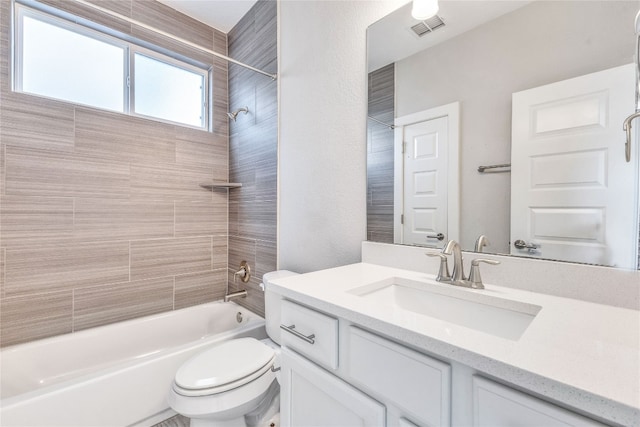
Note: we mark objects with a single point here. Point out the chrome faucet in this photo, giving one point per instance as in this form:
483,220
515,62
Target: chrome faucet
458,278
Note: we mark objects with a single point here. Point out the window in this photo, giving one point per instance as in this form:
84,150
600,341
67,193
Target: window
168,92
60,59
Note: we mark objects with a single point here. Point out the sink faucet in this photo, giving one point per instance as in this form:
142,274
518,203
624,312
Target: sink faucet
458,278
453,247
481,243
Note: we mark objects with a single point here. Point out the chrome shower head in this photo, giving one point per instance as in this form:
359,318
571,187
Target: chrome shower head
233,115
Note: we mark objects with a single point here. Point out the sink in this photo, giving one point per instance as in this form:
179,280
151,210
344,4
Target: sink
472,309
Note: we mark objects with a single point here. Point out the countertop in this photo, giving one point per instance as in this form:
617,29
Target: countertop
581,354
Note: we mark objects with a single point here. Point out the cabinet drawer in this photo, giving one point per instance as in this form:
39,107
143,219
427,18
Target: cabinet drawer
310,333
417,384
496,405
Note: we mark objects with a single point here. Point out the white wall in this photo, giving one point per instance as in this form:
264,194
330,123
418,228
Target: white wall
322,148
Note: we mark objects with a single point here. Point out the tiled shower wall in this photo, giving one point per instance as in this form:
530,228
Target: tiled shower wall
102,218
253,151
380,155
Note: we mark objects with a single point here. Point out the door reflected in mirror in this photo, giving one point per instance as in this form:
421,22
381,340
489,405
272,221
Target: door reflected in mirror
543,86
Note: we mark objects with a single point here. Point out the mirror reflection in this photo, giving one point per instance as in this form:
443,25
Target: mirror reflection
504,120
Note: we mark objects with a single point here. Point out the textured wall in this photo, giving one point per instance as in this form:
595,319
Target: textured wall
102,218
380,167
323,106
253,153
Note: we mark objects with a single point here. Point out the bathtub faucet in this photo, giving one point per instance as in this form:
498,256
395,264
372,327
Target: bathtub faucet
234,295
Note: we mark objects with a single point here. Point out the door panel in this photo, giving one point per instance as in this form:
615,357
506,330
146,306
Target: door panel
425,182
569,175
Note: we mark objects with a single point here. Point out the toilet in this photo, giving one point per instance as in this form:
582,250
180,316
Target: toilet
235,383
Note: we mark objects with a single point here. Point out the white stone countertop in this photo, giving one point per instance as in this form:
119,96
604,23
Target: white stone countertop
581,354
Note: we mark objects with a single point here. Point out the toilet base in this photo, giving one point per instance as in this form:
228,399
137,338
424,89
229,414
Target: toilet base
264,410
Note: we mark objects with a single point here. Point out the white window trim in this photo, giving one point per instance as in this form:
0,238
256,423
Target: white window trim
133,49
61,19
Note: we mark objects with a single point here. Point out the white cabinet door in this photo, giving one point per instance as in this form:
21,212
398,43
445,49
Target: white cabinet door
495,405
418,385
313,397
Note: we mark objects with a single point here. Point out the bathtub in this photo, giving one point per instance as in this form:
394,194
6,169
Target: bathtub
114,375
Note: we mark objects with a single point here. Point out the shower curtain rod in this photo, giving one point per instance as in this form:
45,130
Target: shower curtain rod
392,127
175,38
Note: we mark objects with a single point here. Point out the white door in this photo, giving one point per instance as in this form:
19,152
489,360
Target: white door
312,397
570,184
425,183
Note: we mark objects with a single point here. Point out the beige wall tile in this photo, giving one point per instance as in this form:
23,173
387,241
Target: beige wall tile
203,149
34,316
104,135
220,250
266,259
118,219
2,167
28,220
169,257
122,7
254,300
101,305
2,257
65,266
241,249
79,187
35,122
5,14
38,172
202,218
193,289
164,18
169,182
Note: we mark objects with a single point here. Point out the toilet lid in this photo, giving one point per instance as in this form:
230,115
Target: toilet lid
223,364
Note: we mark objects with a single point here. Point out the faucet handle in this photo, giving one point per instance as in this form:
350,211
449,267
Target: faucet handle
474,276
443,272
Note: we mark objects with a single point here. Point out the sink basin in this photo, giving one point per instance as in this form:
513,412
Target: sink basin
472,309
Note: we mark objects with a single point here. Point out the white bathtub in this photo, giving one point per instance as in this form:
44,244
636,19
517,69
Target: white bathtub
114,375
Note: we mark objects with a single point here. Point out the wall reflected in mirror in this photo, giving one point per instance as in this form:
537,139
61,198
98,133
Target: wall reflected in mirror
543,86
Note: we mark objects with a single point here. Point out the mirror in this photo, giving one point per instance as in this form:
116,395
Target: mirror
513,69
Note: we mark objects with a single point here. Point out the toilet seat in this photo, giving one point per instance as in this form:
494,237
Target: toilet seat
224,367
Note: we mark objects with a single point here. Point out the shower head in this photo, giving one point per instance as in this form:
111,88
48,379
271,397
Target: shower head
233,115
638,23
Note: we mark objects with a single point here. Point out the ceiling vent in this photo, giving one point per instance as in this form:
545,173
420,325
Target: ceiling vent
428,26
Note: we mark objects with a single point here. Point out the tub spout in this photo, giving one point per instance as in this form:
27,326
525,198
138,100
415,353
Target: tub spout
235,295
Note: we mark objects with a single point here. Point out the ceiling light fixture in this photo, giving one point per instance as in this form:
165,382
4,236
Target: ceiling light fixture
424,9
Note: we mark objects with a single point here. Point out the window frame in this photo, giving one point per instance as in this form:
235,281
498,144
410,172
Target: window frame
204,99
130,46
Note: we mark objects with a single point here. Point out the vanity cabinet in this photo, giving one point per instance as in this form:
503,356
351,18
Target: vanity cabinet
335,373
311,396
495,405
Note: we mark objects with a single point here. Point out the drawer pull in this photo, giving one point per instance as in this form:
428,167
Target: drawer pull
291,329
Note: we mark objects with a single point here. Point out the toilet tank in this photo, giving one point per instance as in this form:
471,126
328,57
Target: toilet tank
272,303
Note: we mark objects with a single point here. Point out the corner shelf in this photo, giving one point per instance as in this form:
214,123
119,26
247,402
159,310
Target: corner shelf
216,185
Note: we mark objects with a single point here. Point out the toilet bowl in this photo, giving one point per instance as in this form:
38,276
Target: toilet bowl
235,383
